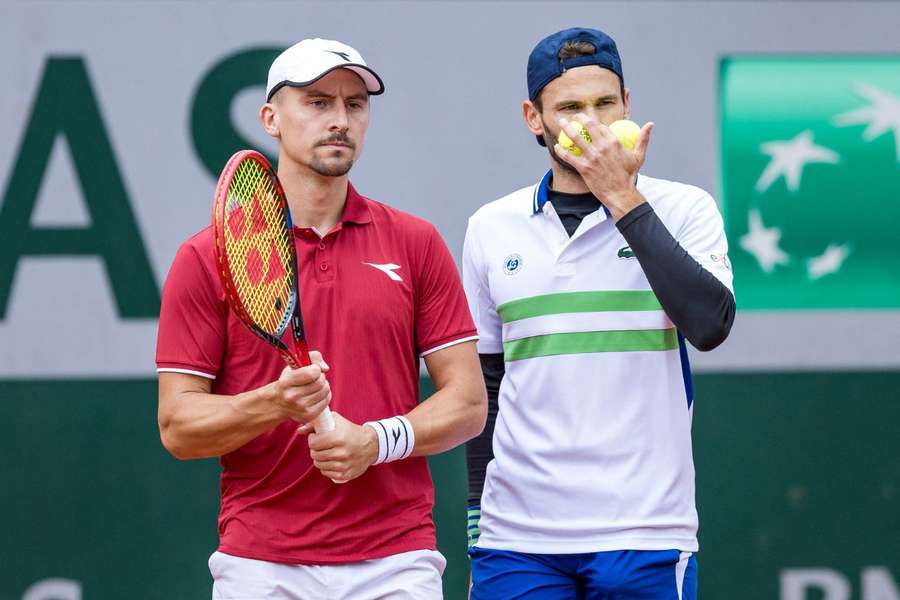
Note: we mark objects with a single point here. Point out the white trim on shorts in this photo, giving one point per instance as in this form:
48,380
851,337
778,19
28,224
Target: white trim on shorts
680,569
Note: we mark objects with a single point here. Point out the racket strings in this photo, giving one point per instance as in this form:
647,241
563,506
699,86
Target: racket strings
259,247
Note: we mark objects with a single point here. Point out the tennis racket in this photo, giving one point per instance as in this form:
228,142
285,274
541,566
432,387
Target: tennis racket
257,260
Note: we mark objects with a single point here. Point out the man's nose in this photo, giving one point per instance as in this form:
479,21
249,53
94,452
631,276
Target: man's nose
340,119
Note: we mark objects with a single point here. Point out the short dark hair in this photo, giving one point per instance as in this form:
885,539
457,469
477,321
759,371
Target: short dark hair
574,49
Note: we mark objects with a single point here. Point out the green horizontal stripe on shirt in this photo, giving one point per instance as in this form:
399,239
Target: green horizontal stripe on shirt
584,342
578,302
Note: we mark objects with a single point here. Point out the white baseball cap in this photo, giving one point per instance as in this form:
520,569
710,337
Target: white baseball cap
309,60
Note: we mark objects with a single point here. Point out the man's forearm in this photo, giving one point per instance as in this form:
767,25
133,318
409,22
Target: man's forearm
699,305
456,412
194,423
448,418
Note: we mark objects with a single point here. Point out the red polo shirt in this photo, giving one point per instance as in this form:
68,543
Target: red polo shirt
377,292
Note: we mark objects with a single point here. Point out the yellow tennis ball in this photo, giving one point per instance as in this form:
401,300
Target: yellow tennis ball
627,132
566,142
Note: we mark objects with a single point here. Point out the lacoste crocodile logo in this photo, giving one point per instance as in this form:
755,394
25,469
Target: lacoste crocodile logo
625,252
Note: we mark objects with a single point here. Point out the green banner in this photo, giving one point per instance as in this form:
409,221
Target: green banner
798,490
811,180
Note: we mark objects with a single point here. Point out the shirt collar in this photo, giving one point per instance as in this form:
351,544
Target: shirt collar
540,192
356,208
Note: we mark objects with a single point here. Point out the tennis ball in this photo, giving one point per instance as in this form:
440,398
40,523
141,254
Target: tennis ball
566,142
627,132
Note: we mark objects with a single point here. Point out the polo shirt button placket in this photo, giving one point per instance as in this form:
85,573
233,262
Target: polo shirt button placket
325,272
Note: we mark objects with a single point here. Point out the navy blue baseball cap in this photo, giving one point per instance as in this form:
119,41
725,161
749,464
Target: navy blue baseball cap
544,64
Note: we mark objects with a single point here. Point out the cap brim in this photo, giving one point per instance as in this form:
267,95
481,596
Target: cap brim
373,82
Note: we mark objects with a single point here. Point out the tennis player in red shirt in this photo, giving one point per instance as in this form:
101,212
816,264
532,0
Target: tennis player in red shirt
379,289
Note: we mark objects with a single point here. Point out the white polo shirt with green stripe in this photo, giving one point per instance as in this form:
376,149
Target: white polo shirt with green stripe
592,443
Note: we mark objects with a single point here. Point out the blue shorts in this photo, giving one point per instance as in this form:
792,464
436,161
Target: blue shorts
618,575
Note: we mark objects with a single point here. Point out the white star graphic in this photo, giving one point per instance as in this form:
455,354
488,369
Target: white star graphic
881,116
829,262
762,243
788,159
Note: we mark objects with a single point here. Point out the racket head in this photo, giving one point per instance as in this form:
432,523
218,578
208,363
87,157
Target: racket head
254,248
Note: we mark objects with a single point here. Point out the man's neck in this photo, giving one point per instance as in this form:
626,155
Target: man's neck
316,201
567,182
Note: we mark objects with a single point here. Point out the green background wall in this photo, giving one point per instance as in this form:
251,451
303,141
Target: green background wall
793,470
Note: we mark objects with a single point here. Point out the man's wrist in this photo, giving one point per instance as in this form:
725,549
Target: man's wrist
261,402
370,446
620,205
396,438
269,395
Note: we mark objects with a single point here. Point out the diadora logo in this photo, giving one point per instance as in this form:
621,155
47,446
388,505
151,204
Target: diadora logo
343,55
388,269
512,264
625,252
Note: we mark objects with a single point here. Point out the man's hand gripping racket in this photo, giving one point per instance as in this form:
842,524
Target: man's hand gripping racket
256,258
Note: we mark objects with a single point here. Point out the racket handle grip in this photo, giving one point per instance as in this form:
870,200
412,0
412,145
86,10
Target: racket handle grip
324,422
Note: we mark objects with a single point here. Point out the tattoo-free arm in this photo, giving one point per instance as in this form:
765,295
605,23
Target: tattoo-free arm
195,423
457,410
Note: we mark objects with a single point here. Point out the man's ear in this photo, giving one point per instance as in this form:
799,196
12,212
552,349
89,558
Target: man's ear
532,118
268,116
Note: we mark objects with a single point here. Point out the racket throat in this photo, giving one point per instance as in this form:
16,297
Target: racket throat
301,350
297,329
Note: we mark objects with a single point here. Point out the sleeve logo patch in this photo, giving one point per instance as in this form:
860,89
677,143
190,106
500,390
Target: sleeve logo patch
723,258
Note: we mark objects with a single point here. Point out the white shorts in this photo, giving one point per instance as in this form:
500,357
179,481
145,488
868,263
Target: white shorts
412,575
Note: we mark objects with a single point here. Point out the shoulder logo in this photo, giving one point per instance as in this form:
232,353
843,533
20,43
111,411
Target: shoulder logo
512,264
388,269
721,257
625,252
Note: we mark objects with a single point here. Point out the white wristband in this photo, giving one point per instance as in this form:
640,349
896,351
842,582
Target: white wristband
395,438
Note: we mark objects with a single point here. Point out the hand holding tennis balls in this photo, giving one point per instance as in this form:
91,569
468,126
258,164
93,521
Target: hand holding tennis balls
627,132
610,174
566,142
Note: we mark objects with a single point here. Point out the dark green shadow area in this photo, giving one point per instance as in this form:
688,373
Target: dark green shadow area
796,471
